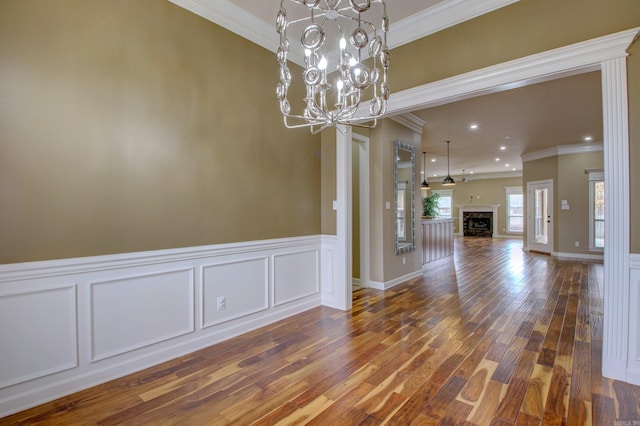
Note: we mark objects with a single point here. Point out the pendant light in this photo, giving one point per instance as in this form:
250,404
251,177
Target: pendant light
346,60
448,181
424,186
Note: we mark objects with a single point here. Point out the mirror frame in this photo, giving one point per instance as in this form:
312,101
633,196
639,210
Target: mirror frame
404,248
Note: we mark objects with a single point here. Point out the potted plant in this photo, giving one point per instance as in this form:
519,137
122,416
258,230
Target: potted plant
430,206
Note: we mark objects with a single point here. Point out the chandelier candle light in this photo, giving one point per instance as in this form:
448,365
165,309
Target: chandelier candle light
336,36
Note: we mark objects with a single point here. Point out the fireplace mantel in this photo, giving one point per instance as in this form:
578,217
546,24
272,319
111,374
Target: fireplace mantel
478,208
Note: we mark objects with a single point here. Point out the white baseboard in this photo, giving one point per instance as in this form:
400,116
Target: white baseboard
392,283
69,302
577,256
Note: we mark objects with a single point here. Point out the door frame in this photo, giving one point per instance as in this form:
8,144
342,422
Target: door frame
365,211
607,54
531,244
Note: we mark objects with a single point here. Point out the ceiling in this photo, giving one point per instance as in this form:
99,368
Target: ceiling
510,123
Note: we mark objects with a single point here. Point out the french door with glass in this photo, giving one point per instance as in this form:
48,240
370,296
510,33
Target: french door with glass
540,216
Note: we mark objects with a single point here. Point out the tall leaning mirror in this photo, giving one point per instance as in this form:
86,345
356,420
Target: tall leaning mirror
404,169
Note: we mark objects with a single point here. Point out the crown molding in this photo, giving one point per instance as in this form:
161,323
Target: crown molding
428,21
479,176
439,17
578,148
410,121
235,19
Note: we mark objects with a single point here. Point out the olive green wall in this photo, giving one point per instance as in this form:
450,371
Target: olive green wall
137,125
520,29
489,191
573,186
329,184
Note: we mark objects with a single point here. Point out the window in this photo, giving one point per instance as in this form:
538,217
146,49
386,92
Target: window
445,202
515,210
596,209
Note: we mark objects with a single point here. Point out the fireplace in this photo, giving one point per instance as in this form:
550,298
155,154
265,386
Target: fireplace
477,224
478,220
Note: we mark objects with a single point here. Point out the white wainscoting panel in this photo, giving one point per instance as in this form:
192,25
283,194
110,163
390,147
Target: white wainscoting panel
295,275
244,286
69,324
138,311
38,334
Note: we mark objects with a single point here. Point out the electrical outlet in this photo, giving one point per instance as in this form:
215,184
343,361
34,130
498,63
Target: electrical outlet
577,243
404,260
222,303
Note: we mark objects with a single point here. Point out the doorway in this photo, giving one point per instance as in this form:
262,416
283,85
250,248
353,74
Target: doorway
360,211
540,216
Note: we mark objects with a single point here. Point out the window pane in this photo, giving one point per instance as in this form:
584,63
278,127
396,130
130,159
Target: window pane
598,200
515,213
444,206
598,214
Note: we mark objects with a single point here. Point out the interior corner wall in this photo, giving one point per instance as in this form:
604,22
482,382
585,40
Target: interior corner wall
131,126
329,224
385,264
573,186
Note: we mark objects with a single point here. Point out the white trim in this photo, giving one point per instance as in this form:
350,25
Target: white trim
396,281
480,176
410,121
237,20
439,17
549,247
428,21
577,148
579,256
365,211
615,344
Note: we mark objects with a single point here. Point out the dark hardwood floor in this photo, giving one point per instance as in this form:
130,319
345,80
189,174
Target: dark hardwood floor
497,336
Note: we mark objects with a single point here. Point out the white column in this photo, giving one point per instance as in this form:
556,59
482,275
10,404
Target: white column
343,265
616,254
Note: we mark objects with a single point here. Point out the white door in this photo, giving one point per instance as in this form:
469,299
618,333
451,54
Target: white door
540,216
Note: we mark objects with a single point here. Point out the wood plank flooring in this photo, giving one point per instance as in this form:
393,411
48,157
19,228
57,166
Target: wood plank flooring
495,337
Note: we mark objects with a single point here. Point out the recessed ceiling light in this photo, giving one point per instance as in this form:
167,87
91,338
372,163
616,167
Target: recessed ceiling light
435,175
470,173
502,148
433,160
507,137
497,159
514,169
588,138
506,165
473,126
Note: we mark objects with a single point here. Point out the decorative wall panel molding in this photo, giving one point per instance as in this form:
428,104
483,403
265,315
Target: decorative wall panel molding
38,334
74,323
234,289
137,311
295,275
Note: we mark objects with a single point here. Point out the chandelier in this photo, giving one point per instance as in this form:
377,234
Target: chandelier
333,39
